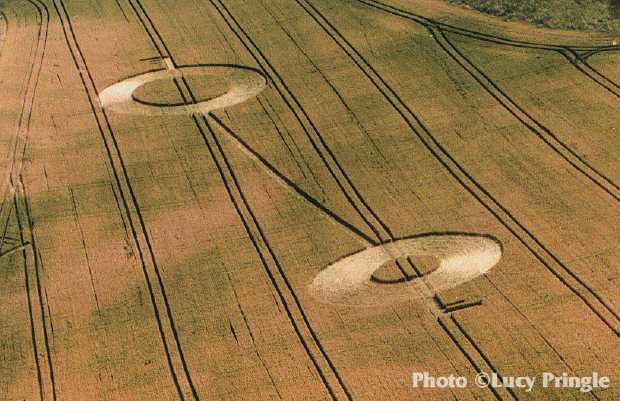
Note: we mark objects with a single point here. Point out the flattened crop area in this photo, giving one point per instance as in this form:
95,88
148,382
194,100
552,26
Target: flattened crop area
303,200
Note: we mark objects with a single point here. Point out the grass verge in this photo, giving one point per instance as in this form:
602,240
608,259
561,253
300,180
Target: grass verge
590,15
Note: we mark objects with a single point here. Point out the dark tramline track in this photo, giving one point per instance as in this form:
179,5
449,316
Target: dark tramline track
37,262
282,135
458,344
319,144
21,137
551,262
526,119
289,183
15,197
562,49
250,221
387,230
476,348
324,78
237,197
600,74
481,35
127,195
309,128
27,287
580,62
546,135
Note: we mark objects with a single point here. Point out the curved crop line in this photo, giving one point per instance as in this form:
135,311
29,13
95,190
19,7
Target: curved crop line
541,131
589,50
495,38
537,131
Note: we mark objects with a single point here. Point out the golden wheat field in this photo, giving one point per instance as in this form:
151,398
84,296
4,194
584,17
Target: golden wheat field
305,200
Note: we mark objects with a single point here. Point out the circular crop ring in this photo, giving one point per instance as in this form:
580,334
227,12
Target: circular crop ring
461,258
244,83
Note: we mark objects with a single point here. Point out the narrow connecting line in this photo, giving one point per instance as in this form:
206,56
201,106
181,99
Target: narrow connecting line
449,307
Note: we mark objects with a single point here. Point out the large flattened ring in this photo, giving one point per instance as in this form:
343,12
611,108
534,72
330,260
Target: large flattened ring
461,258
244,83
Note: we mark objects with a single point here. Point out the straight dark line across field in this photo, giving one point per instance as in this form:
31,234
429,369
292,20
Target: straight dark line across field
243,208
127,197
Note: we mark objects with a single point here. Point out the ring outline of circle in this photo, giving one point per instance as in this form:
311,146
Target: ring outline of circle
120,98
450,273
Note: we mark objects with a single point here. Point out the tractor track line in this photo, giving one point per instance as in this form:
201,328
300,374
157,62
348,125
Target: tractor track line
225,168
542,132
498,39
600,74
33,335
388,232
478,350
579,63
270,274
482,354
484,36
332,88
464,352
289,183
163,50
453,167
288,147
419,273
508,103
37,262
305,162
390,236
300,114
266,67
14,188
5,231
107,136
25,117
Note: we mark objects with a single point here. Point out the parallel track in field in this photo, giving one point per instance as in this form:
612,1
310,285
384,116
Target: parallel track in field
594,301
272,266
546,135
473,347
575,53
162,310
16,205
325,367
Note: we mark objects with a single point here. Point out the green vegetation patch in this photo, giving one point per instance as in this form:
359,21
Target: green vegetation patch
590,15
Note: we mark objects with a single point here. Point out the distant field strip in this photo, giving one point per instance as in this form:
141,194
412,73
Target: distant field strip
548,137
